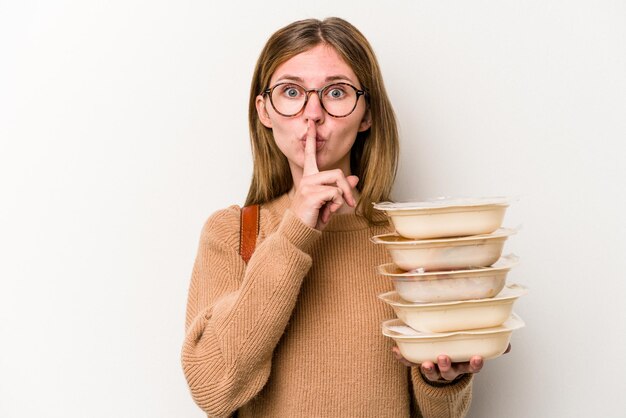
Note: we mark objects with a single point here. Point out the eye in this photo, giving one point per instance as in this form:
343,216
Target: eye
336,92
291,91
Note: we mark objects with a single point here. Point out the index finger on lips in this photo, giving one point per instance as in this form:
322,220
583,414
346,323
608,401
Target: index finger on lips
310,163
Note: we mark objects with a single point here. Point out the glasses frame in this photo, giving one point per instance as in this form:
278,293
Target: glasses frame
319,91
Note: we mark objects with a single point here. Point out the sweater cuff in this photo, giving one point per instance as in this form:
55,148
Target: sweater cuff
297,232
438,390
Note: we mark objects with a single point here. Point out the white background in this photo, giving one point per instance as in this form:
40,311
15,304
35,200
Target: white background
123,126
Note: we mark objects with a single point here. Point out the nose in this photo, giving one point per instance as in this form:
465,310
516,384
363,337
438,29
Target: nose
313,109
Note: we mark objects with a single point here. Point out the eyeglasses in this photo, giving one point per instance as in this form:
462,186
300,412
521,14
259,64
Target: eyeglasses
337,99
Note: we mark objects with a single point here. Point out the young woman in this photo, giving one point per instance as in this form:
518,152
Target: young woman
295,331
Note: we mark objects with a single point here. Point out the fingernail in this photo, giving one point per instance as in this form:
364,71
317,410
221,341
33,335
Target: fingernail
479,363
428,369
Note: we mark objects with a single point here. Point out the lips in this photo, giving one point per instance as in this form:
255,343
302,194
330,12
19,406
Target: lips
318,138
319,142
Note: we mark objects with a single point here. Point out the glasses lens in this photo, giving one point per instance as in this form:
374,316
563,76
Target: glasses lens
338,99
288,99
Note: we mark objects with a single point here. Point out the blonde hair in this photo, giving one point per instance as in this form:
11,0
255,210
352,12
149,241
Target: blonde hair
374,155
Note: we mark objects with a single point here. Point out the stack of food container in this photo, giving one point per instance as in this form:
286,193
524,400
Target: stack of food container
451,294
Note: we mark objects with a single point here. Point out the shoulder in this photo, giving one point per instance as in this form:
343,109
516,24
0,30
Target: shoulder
223,226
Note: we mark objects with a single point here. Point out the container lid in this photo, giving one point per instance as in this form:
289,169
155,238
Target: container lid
397,329
396,239
504,263
510,291
444,202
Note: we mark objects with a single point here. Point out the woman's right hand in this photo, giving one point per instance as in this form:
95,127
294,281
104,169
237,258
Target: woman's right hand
320,194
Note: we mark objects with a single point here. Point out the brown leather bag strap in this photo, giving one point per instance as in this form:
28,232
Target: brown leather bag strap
249,230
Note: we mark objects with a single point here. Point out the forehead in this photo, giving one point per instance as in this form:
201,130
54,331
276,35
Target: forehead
315,66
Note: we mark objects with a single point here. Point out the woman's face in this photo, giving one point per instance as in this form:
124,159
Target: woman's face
314,69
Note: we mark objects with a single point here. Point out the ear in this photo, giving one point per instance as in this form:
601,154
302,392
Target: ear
366,122
264,117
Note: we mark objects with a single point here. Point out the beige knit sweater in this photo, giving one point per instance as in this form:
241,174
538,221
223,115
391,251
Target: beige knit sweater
296,332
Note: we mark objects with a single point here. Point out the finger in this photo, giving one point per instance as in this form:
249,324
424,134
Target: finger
326,211
396,352
331,196
400,357
475,364
336,177
346,184
337,202
353,181
346,189
318,197
329,200
429,371
310,162
446,370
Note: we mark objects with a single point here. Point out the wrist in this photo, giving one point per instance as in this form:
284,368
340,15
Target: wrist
297,232
442,382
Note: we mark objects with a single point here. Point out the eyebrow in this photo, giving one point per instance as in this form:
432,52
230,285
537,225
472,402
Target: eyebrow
288,77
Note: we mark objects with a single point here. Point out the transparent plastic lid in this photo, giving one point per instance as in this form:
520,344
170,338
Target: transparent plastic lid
445,202
394,238
510,291
504,263
397,329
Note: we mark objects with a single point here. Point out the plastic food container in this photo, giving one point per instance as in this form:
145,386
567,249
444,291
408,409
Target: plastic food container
441,218
458,315
444,286
446,253
419,347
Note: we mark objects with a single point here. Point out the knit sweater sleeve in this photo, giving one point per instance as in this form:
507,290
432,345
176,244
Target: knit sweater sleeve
445,401
236,313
